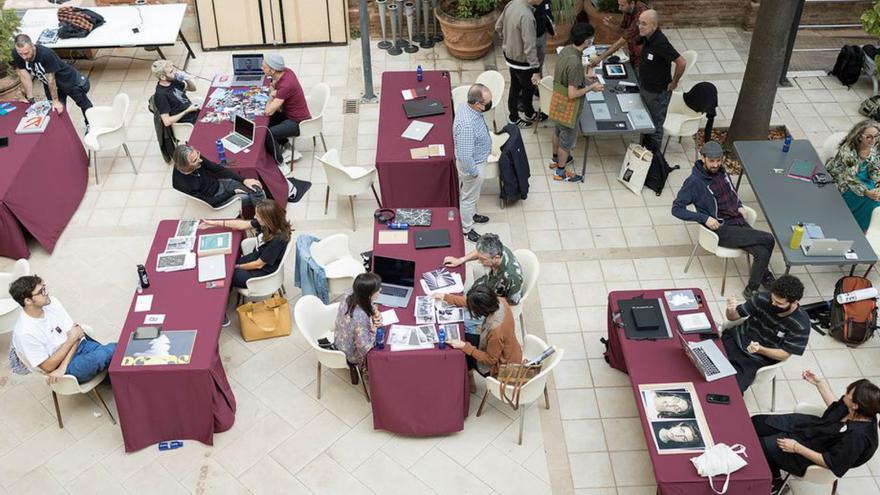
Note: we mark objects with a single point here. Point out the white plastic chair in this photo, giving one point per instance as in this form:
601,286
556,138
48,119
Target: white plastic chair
315,321
67,385
107,130
690,59
830,146
680,121
197,208
814,474
182,131
545,95
708,240
316,100
491,170
765,375
8,307
340,267
534,388
347,181
493,80
267,284
459,96
531,268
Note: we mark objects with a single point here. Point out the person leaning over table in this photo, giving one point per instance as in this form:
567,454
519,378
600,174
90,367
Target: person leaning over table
496,343
505,275
209,182
631,10
844,437
273,233
286,108
856,169
357,320
170,98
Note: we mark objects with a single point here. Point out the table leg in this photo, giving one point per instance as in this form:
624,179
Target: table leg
738,180
852,269
787,269
586,152
868,270
189,51
161,55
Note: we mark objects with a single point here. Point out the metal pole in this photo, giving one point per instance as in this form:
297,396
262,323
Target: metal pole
438,36
418,38
395,49
367,61
408,10
427,42
401,42
384,44
792,36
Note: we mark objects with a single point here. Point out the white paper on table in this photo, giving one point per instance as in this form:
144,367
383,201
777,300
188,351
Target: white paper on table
389,317
143,303
456,288
154,319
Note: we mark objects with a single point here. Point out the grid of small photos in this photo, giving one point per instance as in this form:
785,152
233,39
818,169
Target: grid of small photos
675,417
429,315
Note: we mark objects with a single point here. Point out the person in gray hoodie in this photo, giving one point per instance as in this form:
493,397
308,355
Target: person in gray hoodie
517,28
719,209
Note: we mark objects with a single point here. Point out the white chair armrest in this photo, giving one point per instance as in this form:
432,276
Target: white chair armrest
357,172
331,359
708,239
807,408
103,117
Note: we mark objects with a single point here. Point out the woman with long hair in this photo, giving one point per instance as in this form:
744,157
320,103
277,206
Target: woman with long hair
856,169
357,319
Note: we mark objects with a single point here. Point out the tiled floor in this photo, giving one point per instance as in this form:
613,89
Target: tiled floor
591,238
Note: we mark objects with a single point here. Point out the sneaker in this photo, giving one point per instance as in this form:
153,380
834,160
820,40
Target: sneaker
538,117
481,218
226,321
778,487
521,123
767,281
565,176
748,293
473,236
554,162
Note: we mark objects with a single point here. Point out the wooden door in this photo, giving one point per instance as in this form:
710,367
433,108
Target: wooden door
306,21
238,22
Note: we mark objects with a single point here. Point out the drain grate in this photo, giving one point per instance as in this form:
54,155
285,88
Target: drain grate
349,106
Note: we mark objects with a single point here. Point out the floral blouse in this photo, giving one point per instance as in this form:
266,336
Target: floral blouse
844,168
353,334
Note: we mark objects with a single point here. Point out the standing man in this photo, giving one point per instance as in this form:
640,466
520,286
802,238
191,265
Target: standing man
59,79
570,74
655,80
517,28
171,102
544,26
472,146
719,209
631,10
286,108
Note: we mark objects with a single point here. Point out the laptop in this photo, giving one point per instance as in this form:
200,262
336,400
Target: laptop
707,358
242,135
423,108
247,70
826,247
398,280
427,239
212,267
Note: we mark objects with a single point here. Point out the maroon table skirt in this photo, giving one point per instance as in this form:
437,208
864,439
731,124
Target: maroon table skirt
176,402
43,178
663,361
257,163
408,183
421,392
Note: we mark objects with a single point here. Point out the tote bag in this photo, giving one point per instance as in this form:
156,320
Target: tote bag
564,110
635,167
264,319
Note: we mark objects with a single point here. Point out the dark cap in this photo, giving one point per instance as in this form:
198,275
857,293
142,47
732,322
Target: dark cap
712,150
581,32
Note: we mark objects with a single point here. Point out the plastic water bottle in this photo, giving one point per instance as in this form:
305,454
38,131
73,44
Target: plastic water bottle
797,236
143,279
398,226
451,215
174,444
419,73
441,336
221,152
787,144
380,338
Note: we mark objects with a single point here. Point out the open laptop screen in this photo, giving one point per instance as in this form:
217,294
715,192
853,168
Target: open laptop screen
244,127
394,271
243,65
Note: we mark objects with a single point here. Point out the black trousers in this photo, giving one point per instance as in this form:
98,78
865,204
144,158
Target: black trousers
746,365
240,277
79,95
280,129
521,92
776,458
755,242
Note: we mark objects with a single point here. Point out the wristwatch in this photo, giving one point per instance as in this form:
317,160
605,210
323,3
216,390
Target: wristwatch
31,99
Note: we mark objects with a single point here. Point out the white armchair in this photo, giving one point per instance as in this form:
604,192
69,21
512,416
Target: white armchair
815,474
182,131
493,80
340,267
873,232
459,95
197,208
830,146
8,307
545,95
690,59
107,130
708,240
316,100
267,284
532,390
765,375
315,321
491,171
349,181
531,271
680,120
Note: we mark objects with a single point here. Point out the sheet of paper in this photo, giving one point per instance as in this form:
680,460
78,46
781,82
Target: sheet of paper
143,303
420,153
393,237
389,317
154,319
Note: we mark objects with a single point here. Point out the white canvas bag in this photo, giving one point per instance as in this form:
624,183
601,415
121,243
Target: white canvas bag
720,459
635,166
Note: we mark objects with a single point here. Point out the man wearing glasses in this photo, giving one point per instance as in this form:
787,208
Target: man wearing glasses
46,336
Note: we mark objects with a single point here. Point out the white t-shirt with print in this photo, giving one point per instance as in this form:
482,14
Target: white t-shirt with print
36,339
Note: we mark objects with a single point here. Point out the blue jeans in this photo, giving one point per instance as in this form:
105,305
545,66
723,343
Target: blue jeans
90,359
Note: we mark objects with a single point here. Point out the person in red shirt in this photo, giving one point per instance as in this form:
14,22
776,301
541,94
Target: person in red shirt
286,107
629,26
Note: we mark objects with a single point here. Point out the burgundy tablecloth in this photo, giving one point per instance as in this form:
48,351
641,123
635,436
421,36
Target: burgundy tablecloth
176,402
257,163
408,183
663,361
43,178
420,392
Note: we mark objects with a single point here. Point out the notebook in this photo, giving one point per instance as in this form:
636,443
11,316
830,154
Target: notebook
593,96
600,111
423,107
693,322
426,239
802,170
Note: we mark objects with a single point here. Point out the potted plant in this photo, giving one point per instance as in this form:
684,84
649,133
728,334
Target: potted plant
10,85
468,26
597,11
564,14
871,23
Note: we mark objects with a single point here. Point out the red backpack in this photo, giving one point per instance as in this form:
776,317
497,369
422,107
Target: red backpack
853,323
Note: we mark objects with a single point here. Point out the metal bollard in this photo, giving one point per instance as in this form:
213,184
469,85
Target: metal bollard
409,9
394,49
438,36
417,37
382,5
426,42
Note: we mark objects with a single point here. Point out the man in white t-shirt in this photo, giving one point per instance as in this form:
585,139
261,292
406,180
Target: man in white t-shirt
47,337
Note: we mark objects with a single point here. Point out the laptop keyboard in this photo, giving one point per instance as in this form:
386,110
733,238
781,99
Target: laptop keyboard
248,78
238,140
393,291
705,362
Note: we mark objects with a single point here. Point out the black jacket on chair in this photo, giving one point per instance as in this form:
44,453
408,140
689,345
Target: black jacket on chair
164,134
513,166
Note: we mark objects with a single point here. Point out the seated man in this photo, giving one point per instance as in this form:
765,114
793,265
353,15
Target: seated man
286,108
775,329
718,208
170,99
48,339
212,183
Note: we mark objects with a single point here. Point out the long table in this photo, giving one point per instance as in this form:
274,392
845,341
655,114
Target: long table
786,201
43,178
175,402
663,361
423,392
408,183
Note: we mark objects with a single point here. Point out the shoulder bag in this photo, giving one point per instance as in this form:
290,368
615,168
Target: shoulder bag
515,375
720,460
264,319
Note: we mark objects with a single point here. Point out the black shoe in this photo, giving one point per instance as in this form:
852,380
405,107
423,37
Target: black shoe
767,281
481,218
473,236
521,123
538,117
778,487
748,293
226,321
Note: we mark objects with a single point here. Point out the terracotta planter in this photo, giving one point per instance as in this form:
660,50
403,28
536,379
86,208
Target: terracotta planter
563,33
604,35
10,88
467,39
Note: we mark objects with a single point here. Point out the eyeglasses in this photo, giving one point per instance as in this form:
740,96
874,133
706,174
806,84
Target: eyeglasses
872,137
41,292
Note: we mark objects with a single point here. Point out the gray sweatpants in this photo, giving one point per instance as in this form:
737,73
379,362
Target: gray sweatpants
470,193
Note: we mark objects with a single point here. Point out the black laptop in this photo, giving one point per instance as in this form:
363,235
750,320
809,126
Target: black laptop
427,239
423,107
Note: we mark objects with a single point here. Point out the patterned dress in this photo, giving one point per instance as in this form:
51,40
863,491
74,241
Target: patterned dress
854,178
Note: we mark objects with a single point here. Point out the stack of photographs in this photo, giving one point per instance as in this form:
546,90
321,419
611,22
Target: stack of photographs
676,419
447,313
424,311
407,338
438,279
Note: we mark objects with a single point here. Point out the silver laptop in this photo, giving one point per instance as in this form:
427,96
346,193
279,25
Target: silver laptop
707,358
398,280
826,247
247,70
242,135
212,267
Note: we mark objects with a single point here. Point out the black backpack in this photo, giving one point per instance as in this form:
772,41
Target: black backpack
848,66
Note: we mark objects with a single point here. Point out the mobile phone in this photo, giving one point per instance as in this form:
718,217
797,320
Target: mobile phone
718,399
4,142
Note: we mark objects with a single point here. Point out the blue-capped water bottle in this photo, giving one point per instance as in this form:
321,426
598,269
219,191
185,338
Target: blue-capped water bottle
419,73
398,226
380,337
441,336
221,153
787,144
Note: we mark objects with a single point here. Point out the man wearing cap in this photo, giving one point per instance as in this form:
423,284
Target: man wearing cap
719,209
286,107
